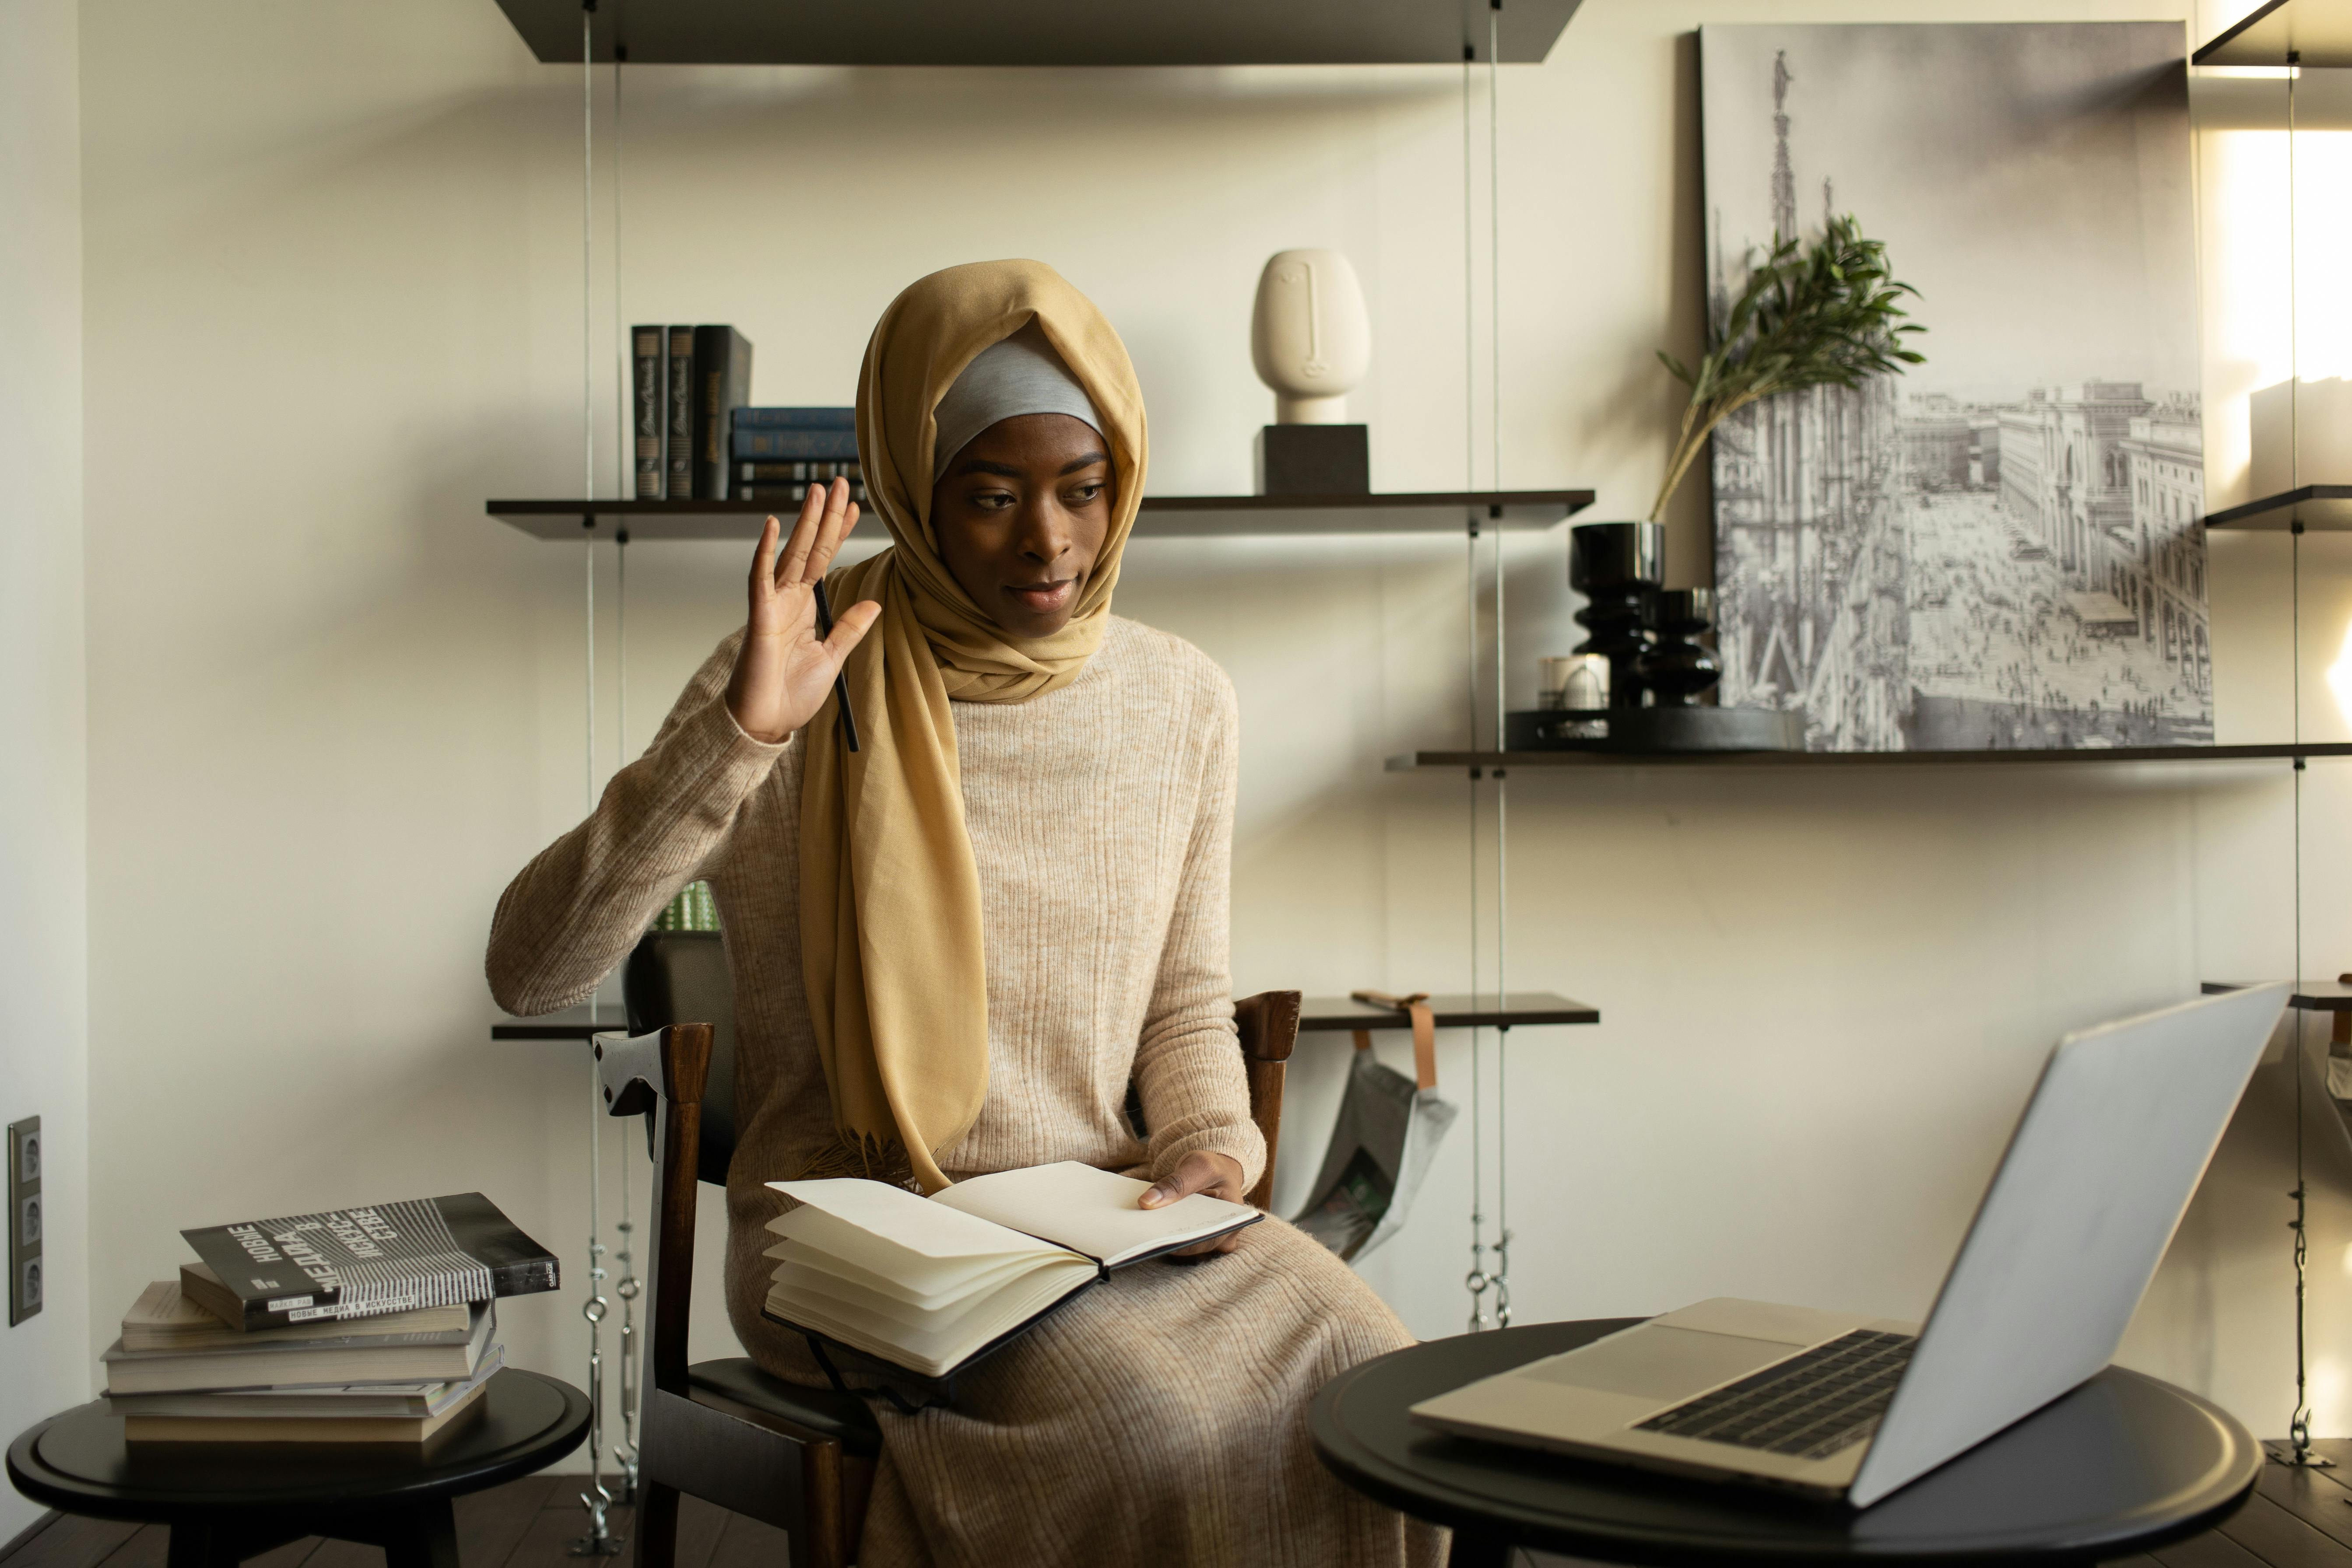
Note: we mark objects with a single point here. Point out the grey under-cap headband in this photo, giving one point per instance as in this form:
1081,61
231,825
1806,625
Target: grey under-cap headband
1021,375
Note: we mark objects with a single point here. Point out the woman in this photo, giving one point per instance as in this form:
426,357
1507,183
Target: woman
954,948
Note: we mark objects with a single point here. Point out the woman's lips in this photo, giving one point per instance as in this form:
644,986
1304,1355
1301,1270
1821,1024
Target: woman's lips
1045,598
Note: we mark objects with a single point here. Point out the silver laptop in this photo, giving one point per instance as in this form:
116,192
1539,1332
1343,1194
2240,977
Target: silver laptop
2097,1173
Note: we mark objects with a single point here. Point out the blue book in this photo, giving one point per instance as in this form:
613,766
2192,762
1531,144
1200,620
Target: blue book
796,419
801,445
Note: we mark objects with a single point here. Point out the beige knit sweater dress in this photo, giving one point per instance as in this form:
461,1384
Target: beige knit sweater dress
1160,1417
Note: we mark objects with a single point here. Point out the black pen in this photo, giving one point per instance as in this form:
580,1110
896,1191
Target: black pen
840,686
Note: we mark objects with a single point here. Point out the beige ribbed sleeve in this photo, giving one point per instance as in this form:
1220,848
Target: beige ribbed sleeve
570,916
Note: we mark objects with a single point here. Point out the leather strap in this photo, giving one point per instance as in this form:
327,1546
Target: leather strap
1425,1031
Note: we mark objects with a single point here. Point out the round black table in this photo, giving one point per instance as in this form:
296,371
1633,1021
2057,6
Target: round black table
227,1502
2122,1465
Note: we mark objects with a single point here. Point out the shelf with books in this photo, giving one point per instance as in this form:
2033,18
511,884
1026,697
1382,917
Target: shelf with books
1163,517
2327,508
1412,762
1045,32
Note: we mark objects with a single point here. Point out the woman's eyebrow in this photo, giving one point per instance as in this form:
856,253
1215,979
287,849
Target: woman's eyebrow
1088,461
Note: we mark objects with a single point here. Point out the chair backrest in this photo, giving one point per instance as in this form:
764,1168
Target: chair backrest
681,977
678,977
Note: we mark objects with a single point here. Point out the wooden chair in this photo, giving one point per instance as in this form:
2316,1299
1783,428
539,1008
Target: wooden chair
801,1458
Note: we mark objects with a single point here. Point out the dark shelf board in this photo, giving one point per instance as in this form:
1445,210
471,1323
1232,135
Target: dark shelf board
2324,507
1163,516
1538,760
2309,996
1521,1009
2320,30
1525,1009
567,1024
1045,32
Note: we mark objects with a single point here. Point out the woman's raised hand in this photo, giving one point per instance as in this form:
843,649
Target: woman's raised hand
783,673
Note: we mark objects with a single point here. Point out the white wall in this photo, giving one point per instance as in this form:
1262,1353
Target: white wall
332,708
44,1361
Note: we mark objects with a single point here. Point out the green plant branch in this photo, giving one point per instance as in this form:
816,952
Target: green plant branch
1827,315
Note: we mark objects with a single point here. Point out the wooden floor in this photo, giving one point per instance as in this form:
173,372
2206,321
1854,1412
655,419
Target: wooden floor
523,1524
2297,1519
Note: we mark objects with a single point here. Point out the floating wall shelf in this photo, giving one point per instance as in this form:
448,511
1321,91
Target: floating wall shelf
2327,508
1177,517
1045,32
1524,1009
2309,996
2319,30
1538,760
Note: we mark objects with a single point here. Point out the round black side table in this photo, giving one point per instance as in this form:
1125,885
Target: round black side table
227,1502
2122,1465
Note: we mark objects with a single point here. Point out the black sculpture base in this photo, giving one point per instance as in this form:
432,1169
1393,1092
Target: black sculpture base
1656,729
1314,460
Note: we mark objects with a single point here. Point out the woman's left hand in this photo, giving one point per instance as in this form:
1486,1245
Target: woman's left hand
1218,1175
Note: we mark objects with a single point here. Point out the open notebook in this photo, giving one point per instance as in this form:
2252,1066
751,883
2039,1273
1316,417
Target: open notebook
930,1285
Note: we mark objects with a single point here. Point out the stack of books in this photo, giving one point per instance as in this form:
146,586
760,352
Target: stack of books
365,1325
775,454
687,383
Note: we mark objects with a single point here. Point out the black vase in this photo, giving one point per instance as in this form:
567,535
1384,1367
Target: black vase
1677,669
1617,567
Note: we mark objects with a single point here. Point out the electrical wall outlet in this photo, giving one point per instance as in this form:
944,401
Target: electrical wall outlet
24,1219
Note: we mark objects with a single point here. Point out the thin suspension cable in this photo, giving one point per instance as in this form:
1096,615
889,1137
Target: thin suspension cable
1502,683
1476,1281
2299,1423
596,1499
1494,258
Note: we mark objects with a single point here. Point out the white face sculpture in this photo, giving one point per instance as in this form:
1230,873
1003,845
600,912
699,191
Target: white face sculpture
1310,337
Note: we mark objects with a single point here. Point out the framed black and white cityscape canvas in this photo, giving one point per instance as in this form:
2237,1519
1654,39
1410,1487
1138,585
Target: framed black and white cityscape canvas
2001,548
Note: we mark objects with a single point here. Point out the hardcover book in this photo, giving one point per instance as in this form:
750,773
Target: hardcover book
649,421
803,446
193,1313
930,1286
302,1363
361,1262
722,384
796,419
677,414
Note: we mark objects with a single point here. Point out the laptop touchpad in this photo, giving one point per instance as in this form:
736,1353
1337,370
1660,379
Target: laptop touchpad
1659,1363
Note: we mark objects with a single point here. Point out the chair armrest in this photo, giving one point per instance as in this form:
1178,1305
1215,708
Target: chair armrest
1267,1023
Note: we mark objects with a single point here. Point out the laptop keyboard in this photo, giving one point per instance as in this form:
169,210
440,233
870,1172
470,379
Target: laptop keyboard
1808,1406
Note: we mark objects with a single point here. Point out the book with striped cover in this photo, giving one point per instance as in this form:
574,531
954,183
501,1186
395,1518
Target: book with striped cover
361,1262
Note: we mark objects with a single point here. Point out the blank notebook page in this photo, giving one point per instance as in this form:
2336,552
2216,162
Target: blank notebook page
1090,1211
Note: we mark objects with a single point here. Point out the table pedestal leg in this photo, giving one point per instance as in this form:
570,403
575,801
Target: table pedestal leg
424,1536
201,1546
1474,1550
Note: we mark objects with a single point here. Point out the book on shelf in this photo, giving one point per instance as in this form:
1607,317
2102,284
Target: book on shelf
802,473
722,384
168,1316
930,1285
792,446
770,418
361,1262
677,414
649,418
273,1362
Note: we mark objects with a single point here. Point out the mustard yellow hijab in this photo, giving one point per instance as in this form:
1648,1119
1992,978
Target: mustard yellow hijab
890,931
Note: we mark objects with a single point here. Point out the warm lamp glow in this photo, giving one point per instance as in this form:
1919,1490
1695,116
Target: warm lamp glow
2339,681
